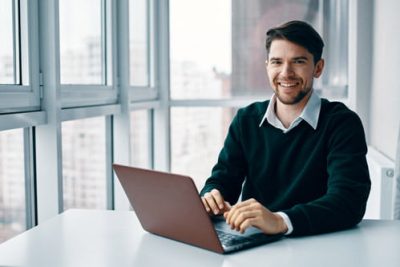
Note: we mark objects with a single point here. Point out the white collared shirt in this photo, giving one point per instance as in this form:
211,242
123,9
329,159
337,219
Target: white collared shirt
310,114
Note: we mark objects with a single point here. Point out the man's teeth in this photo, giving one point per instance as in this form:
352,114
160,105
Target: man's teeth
288,84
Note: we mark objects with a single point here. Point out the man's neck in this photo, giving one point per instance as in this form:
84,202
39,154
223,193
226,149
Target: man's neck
288,113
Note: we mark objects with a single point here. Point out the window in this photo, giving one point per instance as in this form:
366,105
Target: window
81,46
86,52
141,134
201,62
197,136
84,163
12,184
139,42
142,57
19,72
7,55
334,82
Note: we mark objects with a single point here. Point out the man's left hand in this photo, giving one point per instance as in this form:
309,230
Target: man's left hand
251,213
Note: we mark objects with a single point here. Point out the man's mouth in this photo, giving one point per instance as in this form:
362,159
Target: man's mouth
288,84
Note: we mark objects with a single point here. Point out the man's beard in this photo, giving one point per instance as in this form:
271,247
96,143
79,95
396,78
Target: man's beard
293,100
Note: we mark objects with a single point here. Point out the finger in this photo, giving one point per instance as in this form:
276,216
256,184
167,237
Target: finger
246,224
218,198
237,211
211,203
242,217
237,207
230,215
233,215
205,204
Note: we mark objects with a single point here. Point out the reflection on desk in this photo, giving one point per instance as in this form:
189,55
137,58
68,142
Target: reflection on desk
115,238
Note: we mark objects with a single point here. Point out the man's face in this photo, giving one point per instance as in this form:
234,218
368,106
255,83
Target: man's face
291,71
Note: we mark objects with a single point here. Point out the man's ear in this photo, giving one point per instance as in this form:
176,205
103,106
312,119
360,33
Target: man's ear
319,67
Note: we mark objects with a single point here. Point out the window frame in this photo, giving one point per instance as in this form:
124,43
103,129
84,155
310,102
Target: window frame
25,96
151,91
80,95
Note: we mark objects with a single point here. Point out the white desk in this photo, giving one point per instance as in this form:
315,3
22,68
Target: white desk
112,238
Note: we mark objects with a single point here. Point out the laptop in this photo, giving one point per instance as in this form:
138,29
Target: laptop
169,205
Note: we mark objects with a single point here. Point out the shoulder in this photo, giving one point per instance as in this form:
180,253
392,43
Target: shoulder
341,124
335,111
256,110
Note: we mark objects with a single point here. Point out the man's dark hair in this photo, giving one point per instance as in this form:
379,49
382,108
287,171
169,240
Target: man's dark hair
300,33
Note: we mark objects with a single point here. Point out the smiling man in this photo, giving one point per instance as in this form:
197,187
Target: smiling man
297,160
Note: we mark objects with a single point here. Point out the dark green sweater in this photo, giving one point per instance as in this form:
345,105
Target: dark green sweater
319,178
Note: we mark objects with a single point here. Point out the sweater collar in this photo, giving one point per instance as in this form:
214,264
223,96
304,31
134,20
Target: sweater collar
310,114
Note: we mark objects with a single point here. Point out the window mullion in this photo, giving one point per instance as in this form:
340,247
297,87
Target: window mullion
16,41
30,178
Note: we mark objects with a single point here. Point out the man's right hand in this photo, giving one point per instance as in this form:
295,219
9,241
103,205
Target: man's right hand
215,203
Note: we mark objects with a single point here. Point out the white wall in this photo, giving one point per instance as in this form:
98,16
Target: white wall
385,90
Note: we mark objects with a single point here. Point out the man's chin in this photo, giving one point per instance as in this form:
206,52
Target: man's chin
291,100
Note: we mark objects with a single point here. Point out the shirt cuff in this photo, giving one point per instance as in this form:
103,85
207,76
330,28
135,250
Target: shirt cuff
287,221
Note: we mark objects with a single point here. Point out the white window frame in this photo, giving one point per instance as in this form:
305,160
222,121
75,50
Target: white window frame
149,92
80,95
26,96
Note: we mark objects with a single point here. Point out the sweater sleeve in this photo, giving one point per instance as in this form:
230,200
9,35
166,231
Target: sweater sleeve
348,186
229,173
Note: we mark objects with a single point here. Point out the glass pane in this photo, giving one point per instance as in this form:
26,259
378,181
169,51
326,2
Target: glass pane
81,47
138,42
201,61
12,184
224,55
197,136
140,139
336,23
6,43
84,163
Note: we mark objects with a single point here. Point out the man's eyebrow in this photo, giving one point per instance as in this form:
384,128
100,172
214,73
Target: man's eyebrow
294,58
275,58
301,57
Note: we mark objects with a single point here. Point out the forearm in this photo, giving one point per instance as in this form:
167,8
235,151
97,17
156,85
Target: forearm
332,212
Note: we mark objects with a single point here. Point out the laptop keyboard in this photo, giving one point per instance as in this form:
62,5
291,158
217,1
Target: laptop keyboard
230,239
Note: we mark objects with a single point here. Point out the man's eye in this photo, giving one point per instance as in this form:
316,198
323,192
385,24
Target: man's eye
300,61
275,62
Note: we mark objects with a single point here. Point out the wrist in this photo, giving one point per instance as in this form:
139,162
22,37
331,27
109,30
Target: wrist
282,227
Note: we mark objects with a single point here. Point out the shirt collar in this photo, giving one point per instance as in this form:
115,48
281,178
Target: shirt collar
310,113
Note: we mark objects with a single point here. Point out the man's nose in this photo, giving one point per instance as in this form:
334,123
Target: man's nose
287,70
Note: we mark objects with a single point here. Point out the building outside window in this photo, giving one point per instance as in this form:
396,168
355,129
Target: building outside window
12,184
84,163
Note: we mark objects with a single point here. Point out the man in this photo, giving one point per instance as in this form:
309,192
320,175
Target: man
301,158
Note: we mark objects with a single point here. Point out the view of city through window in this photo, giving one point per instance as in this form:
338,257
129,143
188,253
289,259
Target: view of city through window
141,139
6,48
12,184
139,44
81,48
84,163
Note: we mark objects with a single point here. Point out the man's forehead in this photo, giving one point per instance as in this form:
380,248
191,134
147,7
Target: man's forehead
285,49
